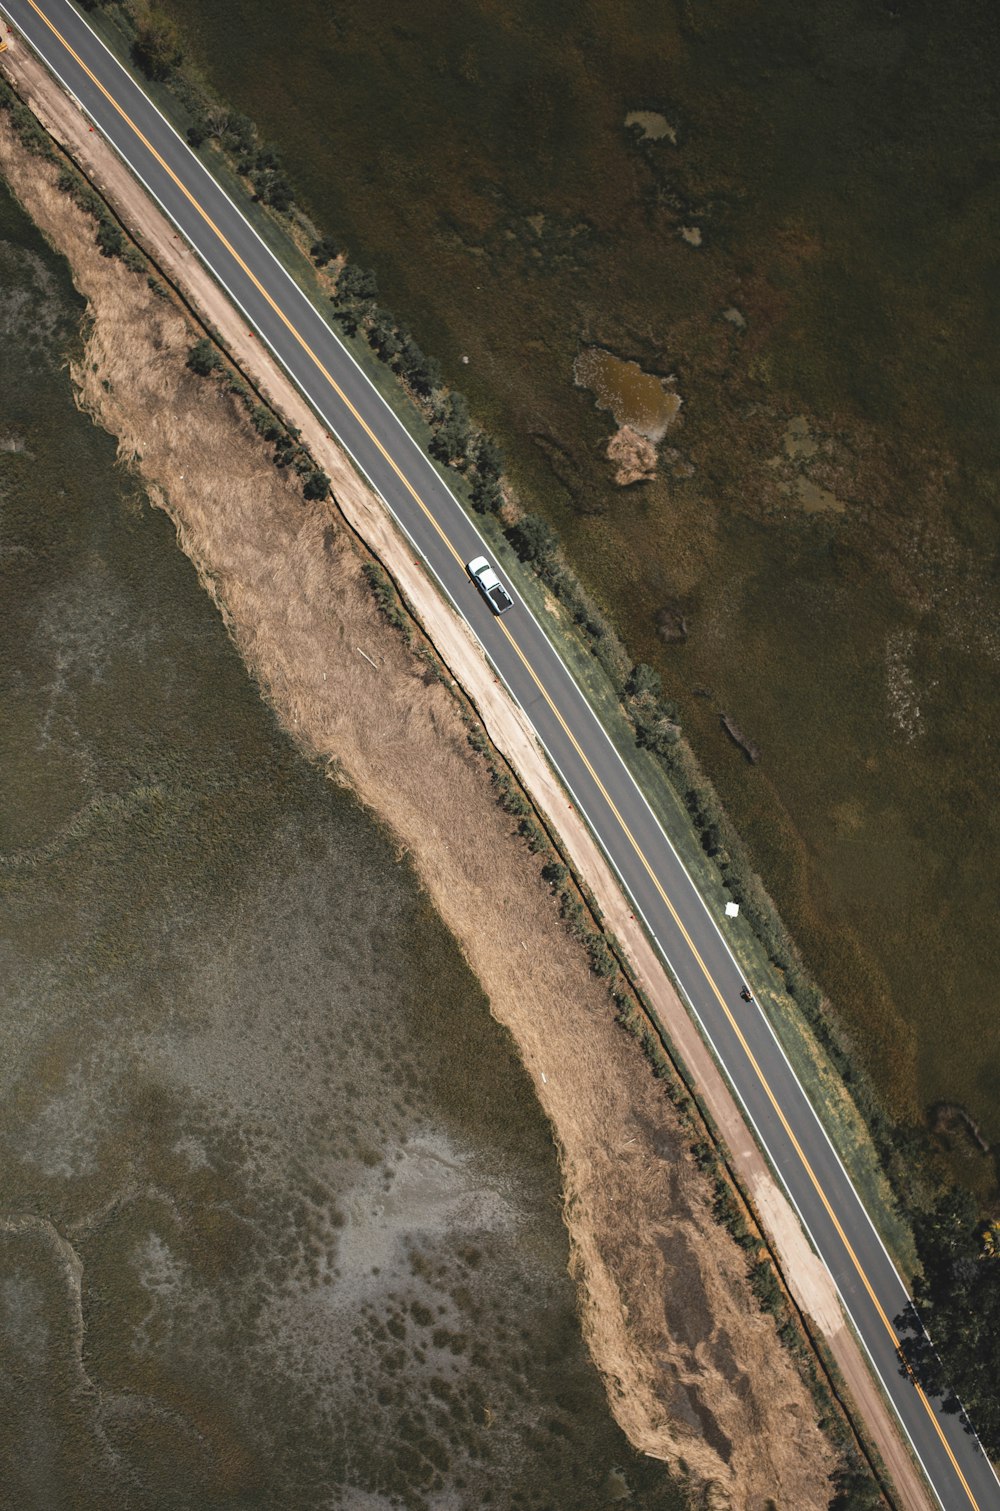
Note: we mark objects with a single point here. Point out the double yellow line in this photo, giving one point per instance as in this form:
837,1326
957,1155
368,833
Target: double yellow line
710,979
286,322
300,339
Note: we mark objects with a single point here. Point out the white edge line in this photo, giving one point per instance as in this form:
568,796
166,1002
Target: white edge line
428,464
762,1141
330,332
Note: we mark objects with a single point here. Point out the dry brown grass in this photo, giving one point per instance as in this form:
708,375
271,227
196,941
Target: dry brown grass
694,1371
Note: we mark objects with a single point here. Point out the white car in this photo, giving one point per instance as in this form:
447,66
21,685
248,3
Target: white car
489,585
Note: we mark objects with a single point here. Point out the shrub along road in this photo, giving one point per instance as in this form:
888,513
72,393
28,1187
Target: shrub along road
691,941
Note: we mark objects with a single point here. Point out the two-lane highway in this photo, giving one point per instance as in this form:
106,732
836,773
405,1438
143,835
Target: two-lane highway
594,774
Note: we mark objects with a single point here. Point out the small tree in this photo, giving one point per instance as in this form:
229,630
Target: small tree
324,251
644,682
602,961
711,839
357,284
266,160
317,485
347,316
853,1487
157,47
203,358
384,336
285,448
533,540
274,189
265,423
654,716
488,459
487,496
451,441
421,372
109,238
238,134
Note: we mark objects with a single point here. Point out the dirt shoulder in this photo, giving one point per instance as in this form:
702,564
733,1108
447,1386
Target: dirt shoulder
694,1371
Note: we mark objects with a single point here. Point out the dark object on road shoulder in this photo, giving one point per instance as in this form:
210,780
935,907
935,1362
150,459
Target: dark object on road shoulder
489,585
746,994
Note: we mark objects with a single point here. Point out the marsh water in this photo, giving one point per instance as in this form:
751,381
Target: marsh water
280,1218
635,398
793,209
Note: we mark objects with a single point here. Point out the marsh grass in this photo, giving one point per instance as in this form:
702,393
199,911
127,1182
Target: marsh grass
798,1033
514,235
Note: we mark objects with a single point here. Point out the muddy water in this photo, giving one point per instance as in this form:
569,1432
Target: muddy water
635,398
279,1221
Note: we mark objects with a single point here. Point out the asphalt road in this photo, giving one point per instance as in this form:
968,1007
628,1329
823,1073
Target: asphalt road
691,940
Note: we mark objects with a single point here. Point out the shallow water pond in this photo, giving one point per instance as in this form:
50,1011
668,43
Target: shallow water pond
638,399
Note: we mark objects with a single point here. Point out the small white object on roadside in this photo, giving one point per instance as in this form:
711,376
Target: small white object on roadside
732,910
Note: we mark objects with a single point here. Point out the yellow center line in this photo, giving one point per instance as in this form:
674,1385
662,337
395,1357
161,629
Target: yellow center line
743,1043
300,339
289,326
